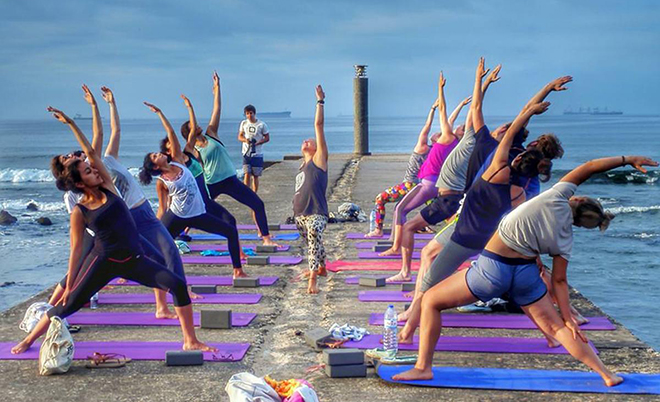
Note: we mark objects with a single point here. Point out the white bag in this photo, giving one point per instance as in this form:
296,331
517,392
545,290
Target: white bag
33,315
246,387
56,353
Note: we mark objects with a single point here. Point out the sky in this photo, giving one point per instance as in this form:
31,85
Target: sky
272,54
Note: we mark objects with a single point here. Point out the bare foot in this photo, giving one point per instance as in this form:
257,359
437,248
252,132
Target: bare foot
410,294
404,337
194,295
552,342
322,271
578,317
400,277
611,380
375,233
239,273
21,347
121,281
166,314
197,345
390,251
403,316
414,374
243,255
268,241
312,287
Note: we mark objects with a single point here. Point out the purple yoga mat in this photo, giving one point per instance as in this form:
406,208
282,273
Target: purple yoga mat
369,245
418,236
146,319
499,321
136,350
283,226
148,298
372,255
224,247
471,344
274,260
207,280
355,280
383,296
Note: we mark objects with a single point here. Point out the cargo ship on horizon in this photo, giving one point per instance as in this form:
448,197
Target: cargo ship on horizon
275,114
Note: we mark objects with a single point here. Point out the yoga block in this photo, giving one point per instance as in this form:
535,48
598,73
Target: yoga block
408,287
316,337
372,282
258,260
353,370
379,248
266,249
384,243
246,282
216,319
387,231
203,288
184,358
273,226
343,357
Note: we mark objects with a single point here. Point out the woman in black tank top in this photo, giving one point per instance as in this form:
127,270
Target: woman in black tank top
116,251
310,207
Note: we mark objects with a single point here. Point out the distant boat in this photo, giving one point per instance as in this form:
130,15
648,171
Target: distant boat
275,114
595,111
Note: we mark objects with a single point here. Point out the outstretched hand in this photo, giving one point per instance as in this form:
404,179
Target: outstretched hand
441,81
435,104
493,76
465,101
558,84
186,101
539,108
59,115
575,329
216,82
320,95
108,96
481,68
638,162
89,98
152,107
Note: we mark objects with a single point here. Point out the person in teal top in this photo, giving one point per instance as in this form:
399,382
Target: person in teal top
219,171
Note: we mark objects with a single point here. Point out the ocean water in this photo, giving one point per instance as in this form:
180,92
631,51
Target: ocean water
618,269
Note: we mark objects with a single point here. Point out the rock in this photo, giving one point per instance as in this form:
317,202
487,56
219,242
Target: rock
6,218
32,206
44,221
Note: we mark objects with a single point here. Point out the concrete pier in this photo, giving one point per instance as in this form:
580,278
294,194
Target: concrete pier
361,110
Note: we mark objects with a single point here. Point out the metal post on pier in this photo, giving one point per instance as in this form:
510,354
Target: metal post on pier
361,110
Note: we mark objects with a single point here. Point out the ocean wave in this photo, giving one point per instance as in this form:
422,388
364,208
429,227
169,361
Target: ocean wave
628,176
10,175
21,205
633,209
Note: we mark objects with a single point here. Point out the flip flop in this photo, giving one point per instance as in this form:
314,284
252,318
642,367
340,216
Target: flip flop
74,328
106,360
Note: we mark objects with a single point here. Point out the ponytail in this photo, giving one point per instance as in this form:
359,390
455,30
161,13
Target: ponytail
590,214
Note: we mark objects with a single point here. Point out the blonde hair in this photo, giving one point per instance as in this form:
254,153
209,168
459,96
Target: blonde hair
590,214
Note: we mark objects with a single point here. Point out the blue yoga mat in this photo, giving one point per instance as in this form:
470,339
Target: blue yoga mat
526,380
245,236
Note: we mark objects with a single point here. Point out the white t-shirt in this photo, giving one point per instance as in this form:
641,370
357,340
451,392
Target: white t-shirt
124,181
186,200
542,225
255,130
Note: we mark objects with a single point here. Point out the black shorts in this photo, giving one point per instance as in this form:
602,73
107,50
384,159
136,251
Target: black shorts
441,208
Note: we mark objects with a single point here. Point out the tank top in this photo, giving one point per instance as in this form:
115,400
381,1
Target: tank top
185,199
311,184
193,165
431,167
217,163
484,206
116,233
414,163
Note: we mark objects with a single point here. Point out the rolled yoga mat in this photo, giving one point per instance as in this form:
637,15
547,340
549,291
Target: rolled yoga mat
283,226
274,260
471,344
207,280
355,280
228,352
209,298
244,236
418,236
369,245
224,247
373,255
526,380
499,321
146,319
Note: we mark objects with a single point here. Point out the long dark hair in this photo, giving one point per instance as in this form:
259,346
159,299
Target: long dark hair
70,177
149,169
532,164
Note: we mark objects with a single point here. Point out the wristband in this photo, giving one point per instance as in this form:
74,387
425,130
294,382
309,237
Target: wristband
623,160
320,101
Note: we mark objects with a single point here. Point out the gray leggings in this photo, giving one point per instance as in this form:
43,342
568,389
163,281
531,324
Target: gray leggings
450,258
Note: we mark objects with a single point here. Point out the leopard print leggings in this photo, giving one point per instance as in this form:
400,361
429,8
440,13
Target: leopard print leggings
311,228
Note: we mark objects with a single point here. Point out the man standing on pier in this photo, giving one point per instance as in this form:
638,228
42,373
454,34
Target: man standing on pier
252,133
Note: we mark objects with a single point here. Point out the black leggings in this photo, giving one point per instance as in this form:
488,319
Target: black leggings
208,223
213,207
99,269
234,188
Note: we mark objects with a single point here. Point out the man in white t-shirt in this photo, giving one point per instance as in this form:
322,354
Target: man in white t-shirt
252,133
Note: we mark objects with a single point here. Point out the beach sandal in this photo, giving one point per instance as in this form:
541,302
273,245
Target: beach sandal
222,357
107,360
74,328
426,230
335,344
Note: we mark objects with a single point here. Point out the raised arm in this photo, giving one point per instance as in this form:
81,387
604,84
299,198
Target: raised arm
97,125
214,123
447,132
554,85
457,111
192,119
422,144
468,120
321,155
175,146
583,172
476,108
94,159
115,128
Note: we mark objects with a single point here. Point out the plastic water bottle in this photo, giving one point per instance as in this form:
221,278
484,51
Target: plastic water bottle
94,301
390,328
372,220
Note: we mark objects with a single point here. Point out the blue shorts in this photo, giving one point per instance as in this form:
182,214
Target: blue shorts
253,165
494,275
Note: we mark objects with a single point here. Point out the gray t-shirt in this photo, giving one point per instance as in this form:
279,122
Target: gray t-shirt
128,187
414,163
453,174
542,225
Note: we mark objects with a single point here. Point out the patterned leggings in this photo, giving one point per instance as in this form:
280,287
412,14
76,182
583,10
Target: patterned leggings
311,227
392,194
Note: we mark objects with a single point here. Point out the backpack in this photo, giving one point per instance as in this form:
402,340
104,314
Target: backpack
56,353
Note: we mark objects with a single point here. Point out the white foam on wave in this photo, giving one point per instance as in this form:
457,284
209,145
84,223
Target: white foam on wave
632,210
21,205
10,175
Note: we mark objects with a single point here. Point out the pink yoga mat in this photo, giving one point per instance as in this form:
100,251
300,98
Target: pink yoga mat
207,280
274,260
499,321
283,226
372,255
384,265
418,236
148,298
383,296
224,247
136,350
369,245
146,319
354,280
471,344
